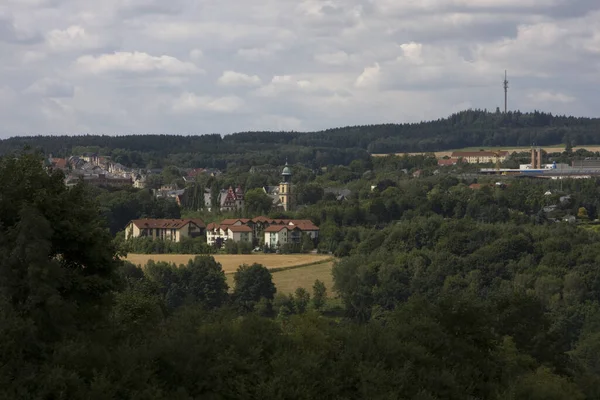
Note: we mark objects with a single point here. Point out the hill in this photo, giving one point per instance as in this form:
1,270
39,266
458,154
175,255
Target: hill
331,146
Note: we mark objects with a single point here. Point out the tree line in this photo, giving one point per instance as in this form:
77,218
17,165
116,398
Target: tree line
433,305
328,147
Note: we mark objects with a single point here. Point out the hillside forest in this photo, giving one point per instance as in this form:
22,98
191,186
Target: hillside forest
442,290
339,146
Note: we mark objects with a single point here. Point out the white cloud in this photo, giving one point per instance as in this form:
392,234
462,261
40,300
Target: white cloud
369,77
281,84
189,102
135,62
119,66
335,58
196,54
52,88
73,38
232,78
550,97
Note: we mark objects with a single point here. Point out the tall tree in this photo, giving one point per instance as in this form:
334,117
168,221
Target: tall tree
252,282
57,263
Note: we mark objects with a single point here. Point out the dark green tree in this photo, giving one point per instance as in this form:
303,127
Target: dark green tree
319,296
251,283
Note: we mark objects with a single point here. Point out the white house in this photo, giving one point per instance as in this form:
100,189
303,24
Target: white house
165,229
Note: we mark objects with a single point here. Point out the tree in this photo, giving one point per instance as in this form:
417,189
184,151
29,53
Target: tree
582,214
251,283
301,300
57,261
319,295
307,243
257,202
309,194
568,144
205,281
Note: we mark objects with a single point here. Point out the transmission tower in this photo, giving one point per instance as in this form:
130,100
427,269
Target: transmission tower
505,92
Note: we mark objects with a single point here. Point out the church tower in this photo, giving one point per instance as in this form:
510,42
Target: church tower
285,188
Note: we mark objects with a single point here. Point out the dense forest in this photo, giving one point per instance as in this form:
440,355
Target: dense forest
441,291
329,147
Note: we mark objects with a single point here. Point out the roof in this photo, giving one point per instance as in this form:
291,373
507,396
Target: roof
457,154
305,225
446,162
165,223
59,163
198,222
276,228
239,228
232,221
212,226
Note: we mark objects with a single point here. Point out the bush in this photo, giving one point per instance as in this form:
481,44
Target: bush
153,246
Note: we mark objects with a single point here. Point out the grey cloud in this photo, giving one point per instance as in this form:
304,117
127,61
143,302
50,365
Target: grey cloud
10,34
130,62
53,88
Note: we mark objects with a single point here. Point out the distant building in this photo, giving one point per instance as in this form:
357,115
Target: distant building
285,192
480,157
276,232
447,162
588,163
98,179
232,200
165,229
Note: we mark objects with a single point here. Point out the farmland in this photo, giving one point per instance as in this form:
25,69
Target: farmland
289,280
547,149
231,262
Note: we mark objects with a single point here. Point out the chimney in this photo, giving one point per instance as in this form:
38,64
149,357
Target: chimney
533,158
539,158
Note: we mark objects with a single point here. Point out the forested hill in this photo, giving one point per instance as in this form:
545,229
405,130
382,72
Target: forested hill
331,146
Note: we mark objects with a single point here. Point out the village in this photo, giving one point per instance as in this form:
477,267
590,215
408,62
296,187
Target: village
268,232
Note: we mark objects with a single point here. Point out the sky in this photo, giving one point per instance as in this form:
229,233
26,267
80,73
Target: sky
223,66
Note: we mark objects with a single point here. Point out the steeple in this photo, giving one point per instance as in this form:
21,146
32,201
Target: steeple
285,187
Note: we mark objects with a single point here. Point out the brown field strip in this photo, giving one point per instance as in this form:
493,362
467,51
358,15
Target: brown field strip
231,262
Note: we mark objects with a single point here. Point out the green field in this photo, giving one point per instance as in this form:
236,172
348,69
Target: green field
287,281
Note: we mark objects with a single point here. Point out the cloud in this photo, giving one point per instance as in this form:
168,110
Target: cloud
190,102
196,54
281,84
135,62
550,97
369,77
336,58
232,78
119,66
72,39
12,32
52,88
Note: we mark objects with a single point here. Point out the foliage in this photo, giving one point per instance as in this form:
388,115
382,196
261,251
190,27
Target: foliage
251,283
146,245
319,296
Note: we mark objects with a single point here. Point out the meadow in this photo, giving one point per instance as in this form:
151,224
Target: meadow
288,280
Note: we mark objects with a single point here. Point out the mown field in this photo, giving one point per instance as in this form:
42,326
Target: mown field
288,281
548,149
231,262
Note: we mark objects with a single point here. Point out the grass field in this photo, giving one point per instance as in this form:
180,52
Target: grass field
231,262
548,149
289,280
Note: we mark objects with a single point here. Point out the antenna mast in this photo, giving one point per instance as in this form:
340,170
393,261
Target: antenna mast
505,92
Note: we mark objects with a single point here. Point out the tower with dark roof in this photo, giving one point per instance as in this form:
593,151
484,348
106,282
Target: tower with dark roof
285,187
